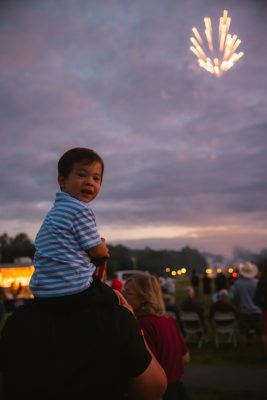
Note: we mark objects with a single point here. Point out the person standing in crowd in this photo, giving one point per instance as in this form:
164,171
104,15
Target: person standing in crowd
206,287
250,315
2,305
116,283
220,281
195,281
260,295
161,332
206,284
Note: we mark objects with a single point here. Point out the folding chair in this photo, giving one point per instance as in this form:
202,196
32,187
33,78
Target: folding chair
192,326
225,325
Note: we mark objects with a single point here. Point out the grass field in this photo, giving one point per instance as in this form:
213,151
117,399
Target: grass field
207,394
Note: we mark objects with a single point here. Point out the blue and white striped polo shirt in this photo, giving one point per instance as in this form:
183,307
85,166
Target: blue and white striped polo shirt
62,266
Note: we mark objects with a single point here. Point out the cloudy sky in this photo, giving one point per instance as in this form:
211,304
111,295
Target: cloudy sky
185,152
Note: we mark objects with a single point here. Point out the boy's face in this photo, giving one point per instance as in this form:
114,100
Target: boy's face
84,181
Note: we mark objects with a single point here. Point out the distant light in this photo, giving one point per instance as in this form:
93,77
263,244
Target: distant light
183,270
234,274
208,270
227,44
167,269
16,275
230,270
173,273
219,270
179,272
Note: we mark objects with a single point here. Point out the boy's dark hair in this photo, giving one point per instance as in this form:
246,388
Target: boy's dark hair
72,156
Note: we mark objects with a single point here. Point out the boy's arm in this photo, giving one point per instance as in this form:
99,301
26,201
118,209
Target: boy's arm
99,251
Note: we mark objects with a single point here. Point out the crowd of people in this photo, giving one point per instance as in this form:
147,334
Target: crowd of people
245,297
153,344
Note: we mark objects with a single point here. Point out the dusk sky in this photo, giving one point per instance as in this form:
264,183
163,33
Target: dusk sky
185,152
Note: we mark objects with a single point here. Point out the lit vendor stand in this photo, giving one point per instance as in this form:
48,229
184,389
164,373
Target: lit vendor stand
14,285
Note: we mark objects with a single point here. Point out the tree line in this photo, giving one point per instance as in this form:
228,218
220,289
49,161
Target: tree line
121,257
12,247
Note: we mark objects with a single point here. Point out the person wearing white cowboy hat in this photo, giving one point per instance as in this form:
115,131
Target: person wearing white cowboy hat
248,270
250,318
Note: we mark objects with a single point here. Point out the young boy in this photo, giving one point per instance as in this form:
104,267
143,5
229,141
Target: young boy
68,237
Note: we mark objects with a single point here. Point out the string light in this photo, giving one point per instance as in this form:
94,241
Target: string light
227,46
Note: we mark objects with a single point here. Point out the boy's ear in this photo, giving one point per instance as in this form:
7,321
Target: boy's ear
61,181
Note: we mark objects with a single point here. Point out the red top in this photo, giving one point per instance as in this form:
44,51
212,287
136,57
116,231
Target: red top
117,284
167,344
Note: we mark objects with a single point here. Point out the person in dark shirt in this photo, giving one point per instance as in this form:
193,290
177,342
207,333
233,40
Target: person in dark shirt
220,281
195,281
260,294
206,284
76,347
223,305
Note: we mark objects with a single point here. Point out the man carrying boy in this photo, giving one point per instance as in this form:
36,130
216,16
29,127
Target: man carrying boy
74,339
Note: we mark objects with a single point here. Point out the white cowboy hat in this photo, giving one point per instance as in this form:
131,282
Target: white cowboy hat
248,270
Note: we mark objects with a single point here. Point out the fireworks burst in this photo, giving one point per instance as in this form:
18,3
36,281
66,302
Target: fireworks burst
227,46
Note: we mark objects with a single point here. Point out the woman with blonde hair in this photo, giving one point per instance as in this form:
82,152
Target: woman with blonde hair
161,331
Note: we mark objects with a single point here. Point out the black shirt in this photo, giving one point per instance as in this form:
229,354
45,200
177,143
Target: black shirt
89,352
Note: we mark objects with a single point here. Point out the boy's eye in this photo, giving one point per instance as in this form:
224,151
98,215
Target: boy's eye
97,179
81,174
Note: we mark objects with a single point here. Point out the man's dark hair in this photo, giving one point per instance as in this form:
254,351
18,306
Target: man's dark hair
77,154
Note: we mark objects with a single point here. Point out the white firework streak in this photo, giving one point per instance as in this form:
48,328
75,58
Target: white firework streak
227,46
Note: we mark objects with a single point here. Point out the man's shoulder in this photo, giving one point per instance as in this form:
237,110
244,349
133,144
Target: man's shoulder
125,315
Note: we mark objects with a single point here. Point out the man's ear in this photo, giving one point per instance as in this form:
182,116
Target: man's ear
61,181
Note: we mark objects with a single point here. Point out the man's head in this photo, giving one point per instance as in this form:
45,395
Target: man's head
189,292
80,173
223,295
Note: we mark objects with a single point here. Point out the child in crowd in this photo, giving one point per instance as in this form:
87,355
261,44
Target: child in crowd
68,239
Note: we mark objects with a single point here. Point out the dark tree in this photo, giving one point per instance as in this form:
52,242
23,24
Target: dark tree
19,246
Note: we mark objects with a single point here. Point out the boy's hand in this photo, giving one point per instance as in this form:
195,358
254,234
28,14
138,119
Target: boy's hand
101,271
99,251
107,249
